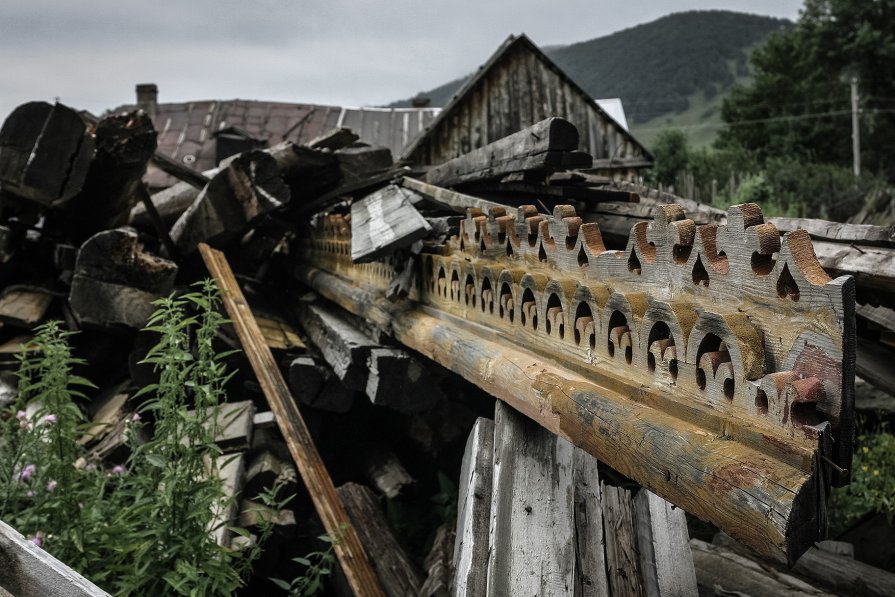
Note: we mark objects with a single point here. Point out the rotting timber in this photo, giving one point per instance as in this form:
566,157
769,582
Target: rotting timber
712,364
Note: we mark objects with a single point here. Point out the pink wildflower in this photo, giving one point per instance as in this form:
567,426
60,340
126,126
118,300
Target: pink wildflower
135,417
50,419
51,486
26,473
23,424
21,415
38,538
118,469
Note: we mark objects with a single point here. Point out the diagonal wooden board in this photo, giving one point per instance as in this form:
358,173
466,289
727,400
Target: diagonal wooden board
353,559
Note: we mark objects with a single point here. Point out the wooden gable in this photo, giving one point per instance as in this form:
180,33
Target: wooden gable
517,87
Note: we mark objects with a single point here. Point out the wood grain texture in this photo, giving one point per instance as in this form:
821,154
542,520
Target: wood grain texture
352,557
396,571
384,221
590,543
622,560
474,512
28,571
722,572
531,532
544,146
666,564
716,332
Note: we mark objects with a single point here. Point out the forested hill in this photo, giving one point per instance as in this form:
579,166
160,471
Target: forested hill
658,68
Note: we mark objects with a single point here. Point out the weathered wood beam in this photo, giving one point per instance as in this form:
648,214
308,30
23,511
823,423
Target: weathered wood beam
383,222
864,234
124,144
352,557
26,570
545,146
666,565
450,199
45,153
474,512
649,371
720,571
116,280
622,557
839,574
530,495
246,190
397,573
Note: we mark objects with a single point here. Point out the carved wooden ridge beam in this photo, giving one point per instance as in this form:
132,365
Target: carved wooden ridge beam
712,364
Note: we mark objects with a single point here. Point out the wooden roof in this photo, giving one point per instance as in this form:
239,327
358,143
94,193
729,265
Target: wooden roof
517,87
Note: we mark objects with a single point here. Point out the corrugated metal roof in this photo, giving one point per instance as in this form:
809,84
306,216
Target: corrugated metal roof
186,130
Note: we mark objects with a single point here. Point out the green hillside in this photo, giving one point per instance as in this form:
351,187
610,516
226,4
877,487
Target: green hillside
671,72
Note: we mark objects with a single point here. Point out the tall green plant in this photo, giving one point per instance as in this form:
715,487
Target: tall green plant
142,528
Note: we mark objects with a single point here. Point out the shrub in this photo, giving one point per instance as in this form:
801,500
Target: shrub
873,483
142,528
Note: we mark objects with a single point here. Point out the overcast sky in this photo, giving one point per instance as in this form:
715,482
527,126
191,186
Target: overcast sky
91,53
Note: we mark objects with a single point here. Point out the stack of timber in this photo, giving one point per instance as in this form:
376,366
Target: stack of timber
730,331
705,356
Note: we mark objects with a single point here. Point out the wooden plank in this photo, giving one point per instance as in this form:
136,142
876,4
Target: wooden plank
863,234
622,560
547,145
590,571
474,511
22,306
881,316
26,570
523,192
531,531
872,267
345,349
840,574
874,365
721,572
666,564
397,573
351,555
458,202
383,222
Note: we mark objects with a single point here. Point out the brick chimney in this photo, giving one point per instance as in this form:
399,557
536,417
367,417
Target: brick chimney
147,98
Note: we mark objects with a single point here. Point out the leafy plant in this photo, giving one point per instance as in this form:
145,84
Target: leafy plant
144,527
873,483
318,564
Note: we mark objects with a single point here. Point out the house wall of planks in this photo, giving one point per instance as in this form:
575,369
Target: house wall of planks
517,88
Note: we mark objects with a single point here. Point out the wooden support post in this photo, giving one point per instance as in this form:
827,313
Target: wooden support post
531,492
666,564
348,548
474,512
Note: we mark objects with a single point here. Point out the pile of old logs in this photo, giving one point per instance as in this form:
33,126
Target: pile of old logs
374,431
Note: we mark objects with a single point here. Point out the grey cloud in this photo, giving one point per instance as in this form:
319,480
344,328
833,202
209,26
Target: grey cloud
91,53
